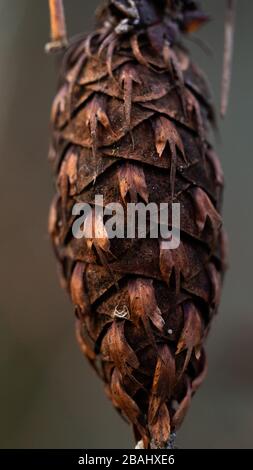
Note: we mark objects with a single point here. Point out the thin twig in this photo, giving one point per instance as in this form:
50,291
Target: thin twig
58,26
228,54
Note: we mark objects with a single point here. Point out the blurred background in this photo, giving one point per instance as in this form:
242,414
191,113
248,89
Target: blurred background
49,397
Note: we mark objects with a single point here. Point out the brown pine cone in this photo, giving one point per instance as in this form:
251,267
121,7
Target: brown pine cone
130,122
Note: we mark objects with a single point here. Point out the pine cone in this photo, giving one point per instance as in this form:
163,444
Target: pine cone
130,122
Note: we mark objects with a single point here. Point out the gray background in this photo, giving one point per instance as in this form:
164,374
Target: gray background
48,395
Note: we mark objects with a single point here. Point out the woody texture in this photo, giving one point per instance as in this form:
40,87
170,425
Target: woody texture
130,122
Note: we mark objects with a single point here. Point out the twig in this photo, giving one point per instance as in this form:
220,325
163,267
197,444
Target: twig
58,27
228,54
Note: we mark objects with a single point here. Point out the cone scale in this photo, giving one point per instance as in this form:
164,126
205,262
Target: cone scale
130,122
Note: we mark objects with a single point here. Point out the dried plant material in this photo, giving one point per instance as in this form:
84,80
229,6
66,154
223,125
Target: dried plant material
117,350
166,133
95,232
77,290
182,408
205,210
160,429
143,303
191,337
124,402
132,181
58,26
128,77
228,54
130,122
163,383
181,263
